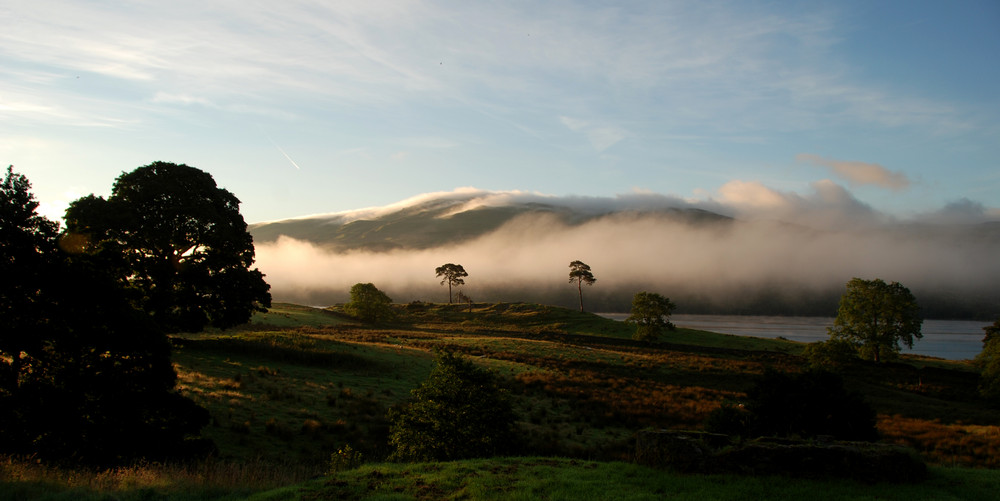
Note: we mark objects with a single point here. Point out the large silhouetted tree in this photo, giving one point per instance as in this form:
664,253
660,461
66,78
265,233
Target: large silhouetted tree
179,243
580,273
451,274
27,246
876,317
90,378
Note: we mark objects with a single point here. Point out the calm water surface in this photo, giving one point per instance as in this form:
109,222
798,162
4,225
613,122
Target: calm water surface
950,339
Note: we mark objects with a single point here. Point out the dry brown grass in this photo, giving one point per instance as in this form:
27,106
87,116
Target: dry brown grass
946,444
249,476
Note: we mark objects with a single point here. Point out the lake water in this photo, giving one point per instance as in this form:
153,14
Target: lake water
950,339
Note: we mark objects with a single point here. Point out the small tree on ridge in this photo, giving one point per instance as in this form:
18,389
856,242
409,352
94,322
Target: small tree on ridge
452,275
580,273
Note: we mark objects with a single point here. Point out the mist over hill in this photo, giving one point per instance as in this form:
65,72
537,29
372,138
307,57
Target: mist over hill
791,259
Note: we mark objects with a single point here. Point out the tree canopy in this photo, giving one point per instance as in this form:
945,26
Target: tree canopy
650,314
451,274
179,243
580,273
988,362
876,317
89,378
369,304
27,248
460,411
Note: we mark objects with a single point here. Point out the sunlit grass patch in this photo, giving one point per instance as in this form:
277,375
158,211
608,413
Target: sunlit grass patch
949,444
25,479
293,315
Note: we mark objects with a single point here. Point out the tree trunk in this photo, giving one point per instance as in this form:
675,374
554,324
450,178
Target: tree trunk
15,366
579,287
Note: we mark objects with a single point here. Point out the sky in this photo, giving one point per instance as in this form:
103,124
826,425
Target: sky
307,107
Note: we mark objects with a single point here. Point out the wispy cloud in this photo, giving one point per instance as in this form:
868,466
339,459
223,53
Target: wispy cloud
859,173
600,137
699,62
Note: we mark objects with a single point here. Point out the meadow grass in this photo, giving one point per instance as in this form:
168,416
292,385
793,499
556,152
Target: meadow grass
527,478
24,479
300,391
296,385
294,315
576,480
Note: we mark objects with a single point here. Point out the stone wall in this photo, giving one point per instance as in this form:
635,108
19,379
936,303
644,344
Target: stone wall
696,452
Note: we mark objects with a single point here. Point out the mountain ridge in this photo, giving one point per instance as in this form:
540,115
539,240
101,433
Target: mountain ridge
441,222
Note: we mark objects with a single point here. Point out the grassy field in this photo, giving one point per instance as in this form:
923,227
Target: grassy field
298,383
526,479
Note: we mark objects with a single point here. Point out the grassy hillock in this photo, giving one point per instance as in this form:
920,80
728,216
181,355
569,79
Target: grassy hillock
298,384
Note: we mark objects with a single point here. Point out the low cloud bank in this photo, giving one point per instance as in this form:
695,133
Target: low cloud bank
736,266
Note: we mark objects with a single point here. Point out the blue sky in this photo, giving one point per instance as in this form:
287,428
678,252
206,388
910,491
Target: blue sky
304,107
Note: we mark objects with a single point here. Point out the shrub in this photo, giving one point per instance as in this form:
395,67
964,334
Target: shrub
803,405
459,412
369,304
650,314
729,419
831,353
345,458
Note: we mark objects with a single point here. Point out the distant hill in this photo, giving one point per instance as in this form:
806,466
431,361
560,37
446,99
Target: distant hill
516,247
442,221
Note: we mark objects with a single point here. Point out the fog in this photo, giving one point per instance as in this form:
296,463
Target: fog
789,253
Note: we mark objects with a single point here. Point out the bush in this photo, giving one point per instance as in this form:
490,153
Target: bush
729,419
345,458
832,353
369,304
804,405
459,412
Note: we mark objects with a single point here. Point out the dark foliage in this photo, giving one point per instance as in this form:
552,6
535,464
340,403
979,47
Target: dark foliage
369,304
91,378
27,245
459,412
809,404
650,314
831,353
178,242
988,362
876,317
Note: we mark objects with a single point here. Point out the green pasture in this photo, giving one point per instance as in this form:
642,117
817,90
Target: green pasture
287,391
485,479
